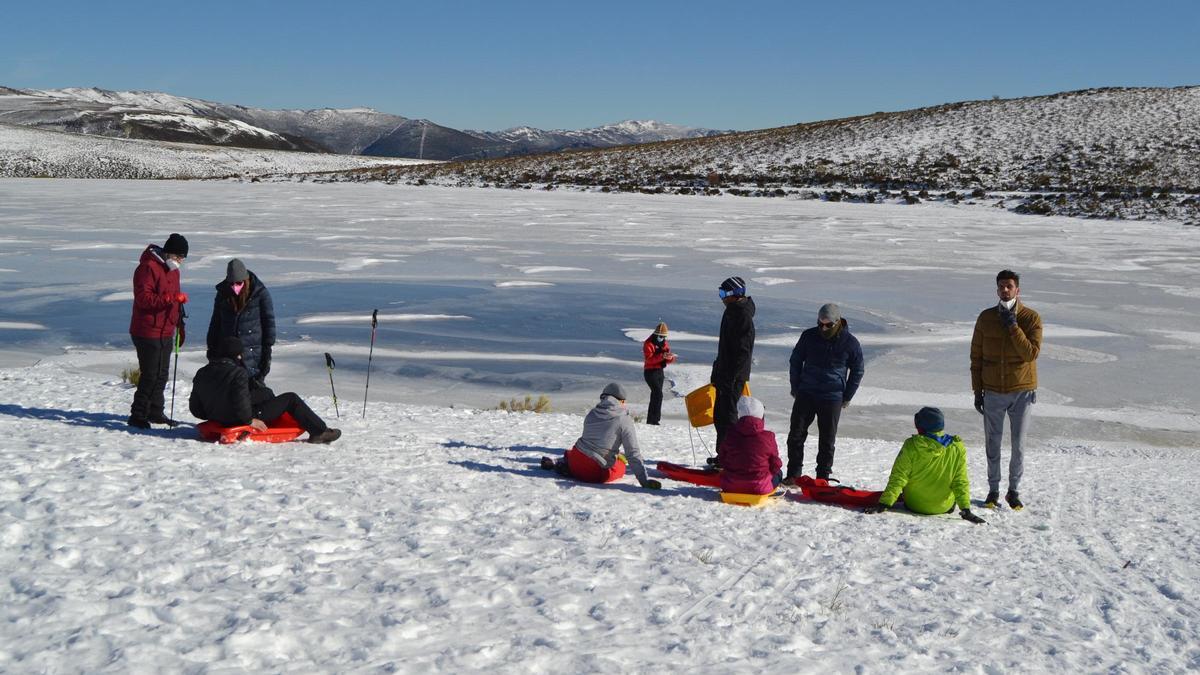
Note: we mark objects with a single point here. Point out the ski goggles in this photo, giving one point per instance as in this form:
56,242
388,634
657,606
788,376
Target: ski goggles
722,293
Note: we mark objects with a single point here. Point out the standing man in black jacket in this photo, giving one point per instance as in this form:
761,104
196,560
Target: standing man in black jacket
735,349
221,392
826,369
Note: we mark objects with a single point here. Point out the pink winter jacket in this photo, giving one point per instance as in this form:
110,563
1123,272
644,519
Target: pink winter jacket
749,458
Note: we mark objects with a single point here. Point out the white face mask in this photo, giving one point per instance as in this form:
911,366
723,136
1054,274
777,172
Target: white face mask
173,264
1008,304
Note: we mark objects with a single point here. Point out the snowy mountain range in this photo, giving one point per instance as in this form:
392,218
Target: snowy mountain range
30,152
351,131
1098,152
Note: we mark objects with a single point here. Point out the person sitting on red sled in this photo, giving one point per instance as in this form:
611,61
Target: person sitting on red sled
930,471
221,393
748,453
607,429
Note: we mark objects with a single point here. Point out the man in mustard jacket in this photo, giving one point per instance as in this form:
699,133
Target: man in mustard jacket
930,471
1004,351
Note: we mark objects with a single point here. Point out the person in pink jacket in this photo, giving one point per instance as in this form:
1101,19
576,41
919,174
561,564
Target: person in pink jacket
750,461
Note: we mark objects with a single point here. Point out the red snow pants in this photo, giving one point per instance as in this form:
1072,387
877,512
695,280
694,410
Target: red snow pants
586,469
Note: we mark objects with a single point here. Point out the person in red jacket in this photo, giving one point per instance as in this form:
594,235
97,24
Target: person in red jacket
157,313
656,352
750,461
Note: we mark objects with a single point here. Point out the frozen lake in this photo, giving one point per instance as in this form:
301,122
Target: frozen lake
489,294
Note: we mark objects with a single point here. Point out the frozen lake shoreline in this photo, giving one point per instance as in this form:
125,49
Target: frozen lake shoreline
476,284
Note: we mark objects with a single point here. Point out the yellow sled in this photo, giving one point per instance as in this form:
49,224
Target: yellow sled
743,499
700,404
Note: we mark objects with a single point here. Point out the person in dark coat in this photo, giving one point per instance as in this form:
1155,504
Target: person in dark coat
735,350
826,369
243,309
157,315
221,392
656,354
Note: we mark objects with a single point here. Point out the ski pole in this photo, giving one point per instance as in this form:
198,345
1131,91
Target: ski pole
329,364
175,374
370,354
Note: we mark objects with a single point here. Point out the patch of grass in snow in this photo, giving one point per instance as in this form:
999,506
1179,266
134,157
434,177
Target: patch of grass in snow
131,375
528,404
836,602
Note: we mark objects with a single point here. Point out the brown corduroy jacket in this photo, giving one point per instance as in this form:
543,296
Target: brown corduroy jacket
1003,359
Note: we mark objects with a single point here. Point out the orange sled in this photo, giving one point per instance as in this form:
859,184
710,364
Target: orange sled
708,477
820,490
281,430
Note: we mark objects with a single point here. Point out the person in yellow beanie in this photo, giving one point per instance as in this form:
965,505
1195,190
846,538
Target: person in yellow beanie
656,352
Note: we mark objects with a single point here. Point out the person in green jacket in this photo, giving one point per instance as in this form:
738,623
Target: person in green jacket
930,471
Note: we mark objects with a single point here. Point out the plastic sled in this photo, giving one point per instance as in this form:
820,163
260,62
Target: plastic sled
819,490
743,499
700,404
707,477
281,430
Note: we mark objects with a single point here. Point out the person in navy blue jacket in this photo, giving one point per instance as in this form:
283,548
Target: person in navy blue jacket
243,309
826,369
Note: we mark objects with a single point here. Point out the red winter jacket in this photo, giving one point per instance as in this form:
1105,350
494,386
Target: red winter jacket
656,357
749,458
155,287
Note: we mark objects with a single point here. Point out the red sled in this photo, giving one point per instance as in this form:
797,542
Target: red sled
819,490
707,477
280,430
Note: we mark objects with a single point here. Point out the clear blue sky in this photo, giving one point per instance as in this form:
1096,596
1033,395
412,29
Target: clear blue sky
492,65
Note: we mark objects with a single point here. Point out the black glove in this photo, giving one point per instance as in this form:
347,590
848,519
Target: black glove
652,485
971,517
1008,318
979,402
264,363
875,508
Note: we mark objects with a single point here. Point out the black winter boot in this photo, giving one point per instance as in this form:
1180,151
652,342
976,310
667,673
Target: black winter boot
328,436
993,499
1014,501
161,418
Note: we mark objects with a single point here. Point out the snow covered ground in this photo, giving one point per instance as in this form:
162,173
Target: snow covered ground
26,152
428,540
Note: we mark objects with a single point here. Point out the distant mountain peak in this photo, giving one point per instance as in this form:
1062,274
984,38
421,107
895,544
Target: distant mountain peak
357,130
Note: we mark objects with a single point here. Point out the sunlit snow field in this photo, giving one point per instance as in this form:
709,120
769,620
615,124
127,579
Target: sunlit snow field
427,539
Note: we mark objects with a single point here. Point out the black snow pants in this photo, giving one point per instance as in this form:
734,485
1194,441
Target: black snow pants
654,379
827,414
154,360
269,409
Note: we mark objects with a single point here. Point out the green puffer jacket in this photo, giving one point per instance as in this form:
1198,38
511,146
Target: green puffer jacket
932,476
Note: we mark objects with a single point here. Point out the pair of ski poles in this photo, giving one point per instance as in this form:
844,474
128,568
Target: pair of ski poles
329,365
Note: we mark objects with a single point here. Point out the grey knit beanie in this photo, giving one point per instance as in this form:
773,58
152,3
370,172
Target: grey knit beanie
614,390
235,271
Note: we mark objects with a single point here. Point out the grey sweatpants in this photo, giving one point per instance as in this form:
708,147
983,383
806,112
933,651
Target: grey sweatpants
1018,405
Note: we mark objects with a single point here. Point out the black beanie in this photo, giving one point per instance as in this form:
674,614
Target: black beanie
734,286
231,347
176,245
929,420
